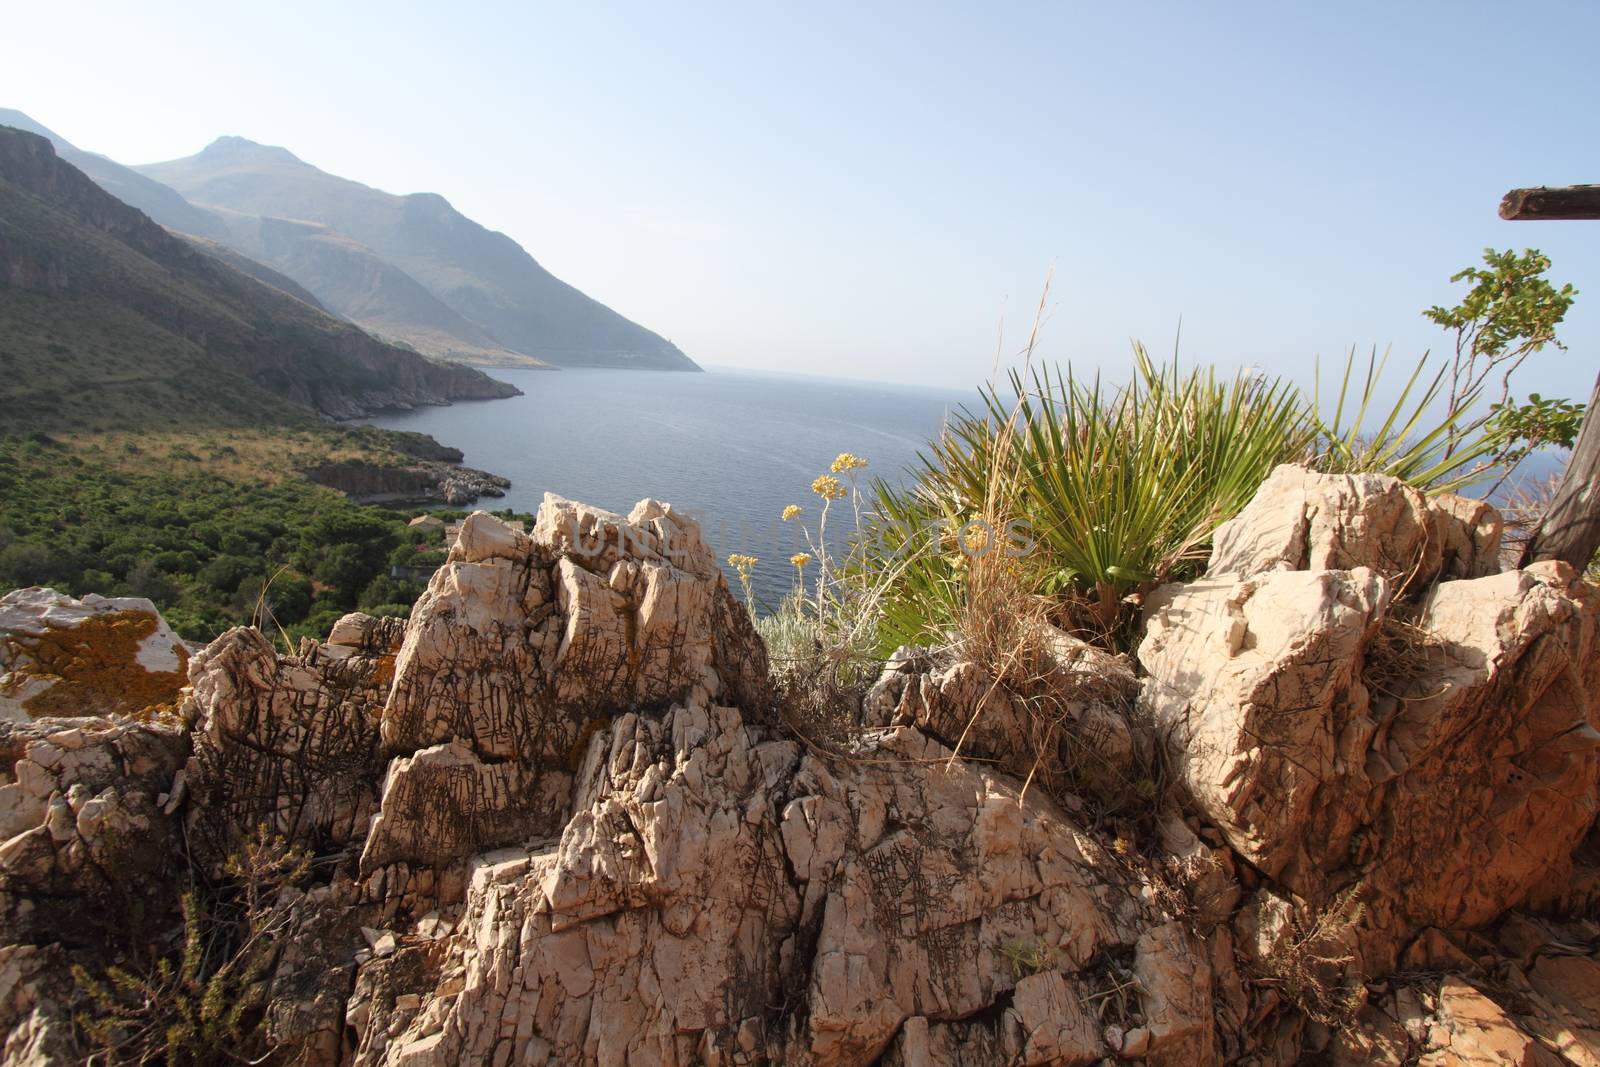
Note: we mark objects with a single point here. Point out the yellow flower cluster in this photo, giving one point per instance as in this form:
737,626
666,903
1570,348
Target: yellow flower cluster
848,461
790,512
742,564
828,487
800,559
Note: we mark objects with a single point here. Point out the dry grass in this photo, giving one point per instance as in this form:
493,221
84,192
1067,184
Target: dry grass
257,455
1311,966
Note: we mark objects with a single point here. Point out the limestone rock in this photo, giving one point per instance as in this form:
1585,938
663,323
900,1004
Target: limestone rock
60,656
686,893
1256,682
1444,758
81,823
555,819
1074,732
523,647
289,743
1300,520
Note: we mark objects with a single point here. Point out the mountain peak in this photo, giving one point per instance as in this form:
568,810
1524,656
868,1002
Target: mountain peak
18,120
244,149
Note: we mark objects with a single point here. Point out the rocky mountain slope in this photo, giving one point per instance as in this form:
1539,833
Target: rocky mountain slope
108,318
161,203
409,267
557,818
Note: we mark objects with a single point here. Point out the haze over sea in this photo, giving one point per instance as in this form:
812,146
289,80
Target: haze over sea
732,447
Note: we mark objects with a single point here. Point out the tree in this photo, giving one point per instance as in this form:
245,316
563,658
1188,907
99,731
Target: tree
1510,312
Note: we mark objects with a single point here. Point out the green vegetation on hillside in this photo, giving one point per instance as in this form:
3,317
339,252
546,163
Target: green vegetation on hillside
194,523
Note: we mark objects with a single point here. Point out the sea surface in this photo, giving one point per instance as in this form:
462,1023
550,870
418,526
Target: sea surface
731,447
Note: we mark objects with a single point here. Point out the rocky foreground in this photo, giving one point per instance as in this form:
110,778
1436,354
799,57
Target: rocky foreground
1339,810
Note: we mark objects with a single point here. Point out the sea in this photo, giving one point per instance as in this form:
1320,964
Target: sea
731,447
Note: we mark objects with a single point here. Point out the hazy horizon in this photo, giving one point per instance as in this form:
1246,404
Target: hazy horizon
870,194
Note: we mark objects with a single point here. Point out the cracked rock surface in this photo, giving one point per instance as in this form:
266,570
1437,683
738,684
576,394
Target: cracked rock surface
555,818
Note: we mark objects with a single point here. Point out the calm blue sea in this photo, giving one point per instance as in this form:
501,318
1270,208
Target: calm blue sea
733,447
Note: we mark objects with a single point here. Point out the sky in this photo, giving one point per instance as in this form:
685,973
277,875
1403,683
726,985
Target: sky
880,190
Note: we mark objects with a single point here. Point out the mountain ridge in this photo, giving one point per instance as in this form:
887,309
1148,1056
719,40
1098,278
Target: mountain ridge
108,314
482,276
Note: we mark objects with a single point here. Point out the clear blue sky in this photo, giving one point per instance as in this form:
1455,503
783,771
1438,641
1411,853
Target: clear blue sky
868,189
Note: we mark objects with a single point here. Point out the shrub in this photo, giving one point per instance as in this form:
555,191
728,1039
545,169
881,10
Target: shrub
1079,493
203,1004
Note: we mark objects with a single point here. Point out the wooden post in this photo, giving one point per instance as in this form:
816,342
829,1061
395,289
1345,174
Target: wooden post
1570,529
1546,202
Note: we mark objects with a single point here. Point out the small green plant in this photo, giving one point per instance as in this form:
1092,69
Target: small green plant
1029,956
203,1005
1413,442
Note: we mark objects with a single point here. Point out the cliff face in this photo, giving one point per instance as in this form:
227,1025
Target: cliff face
557,819
370,483
142,310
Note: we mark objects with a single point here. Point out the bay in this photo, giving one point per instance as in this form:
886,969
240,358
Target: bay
732,447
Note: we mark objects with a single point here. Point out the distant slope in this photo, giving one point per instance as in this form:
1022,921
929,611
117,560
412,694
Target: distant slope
482,276
354,282
259,271
108,321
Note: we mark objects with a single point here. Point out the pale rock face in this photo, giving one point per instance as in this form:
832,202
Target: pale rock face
1446,765
1226,657
38,1031
1303,521
99,655
686,894
79,798
556,823
523,647
288,742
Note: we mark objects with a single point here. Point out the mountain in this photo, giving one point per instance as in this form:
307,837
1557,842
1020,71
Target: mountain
361,286
108,320
474,287
161,203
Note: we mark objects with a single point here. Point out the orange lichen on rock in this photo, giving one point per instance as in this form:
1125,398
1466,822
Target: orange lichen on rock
94,667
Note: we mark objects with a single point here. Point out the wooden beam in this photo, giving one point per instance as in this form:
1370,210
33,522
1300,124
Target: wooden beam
1552,202
1571,527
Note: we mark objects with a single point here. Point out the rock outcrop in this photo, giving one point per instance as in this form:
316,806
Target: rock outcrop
95,656
422,481
554,818
1428,762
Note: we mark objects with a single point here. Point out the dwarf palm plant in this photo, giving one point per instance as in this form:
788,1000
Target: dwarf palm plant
1102,493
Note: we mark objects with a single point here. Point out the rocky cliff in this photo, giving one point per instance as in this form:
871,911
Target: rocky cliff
1337,809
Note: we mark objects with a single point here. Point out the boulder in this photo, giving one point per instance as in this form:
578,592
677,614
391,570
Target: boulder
86,824
60,656
525,646
1440,757
709,872
288,743
1300,520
